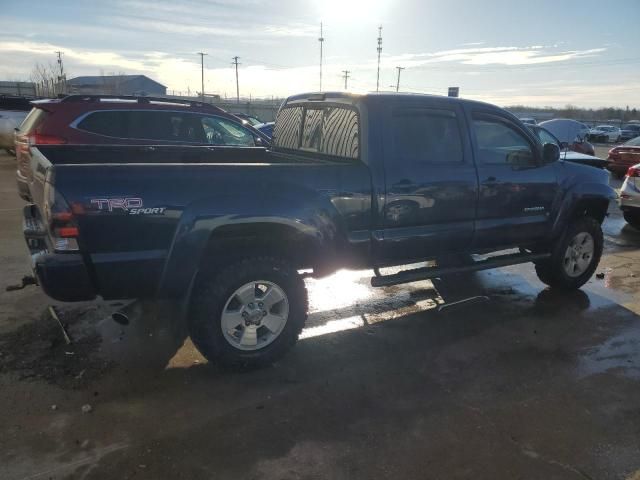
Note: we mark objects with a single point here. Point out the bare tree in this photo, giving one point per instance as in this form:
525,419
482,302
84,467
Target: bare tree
47,80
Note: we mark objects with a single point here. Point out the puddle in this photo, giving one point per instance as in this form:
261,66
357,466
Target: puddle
620,353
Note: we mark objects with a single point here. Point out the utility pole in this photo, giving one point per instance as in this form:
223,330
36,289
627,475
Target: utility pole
379,52
202,54
61,77
346,77
321,40
235,62
398,81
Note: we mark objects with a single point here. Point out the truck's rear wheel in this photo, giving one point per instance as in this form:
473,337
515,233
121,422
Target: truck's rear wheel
249,313
575,256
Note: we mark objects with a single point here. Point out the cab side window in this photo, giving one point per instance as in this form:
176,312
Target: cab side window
499,143
427,136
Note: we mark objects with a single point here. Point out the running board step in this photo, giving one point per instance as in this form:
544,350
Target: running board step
417,274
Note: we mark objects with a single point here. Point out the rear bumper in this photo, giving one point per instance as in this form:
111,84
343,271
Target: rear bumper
62,276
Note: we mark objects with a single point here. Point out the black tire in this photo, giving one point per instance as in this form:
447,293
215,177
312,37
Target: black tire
552,271
632,218
213,292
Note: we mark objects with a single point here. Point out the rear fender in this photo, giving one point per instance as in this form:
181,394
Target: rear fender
315,224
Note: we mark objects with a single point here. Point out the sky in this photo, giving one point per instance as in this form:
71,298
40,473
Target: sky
507,52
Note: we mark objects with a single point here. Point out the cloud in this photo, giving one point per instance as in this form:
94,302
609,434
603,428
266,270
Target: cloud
189,28
530,55
103,59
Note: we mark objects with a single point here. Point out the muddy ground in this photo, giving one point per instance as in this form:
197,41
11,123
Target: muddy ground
526,384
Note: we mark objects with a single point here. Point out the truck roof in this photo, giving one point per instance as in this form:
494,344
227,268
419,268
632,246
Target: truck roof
357,98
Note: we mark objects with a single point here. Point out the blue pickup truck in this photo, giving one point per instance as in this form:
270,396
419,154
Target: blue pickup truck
351,181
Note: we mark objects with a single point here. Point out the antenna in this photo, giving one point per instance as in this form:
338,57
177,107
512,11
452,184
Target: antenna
202,54
346,77
321,40
398,81
61,79
379,52
235,62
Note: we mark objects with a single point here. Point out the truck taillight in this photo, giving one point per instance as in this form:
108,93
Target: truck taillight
60,220
633,172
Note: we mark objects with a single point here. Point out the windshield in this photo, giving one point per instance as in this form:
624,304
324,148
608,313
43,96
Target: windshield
634,142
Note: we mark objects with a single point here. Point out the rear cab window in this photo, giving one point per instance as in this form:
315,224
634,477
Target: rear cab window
321,129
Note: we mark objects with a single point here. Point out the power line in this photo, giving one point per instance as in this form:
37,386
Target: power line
321,40
379,52
235,62
398,81
346,77
202,54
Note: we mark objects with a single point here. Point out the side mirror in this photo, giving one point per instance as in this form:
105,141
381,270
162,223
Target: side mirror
550,152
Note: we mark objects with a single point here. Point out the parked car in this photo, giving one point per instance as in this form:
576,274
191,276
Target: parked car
529,121
629,131
250,119
624,156
570,133
629,198
545,136
605,133
118,120
352,181
266,128
13,111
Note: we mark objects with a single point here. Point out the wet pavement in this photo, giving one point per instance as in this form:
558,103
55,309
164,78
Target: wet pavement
523,382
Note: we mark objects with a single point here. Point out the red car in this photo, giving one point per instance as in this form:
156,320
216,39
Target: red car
126,120
624,156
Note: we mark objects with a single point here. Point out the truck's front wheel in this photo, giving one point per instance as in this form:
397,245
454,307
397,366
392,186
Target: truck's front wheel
249,313
575,257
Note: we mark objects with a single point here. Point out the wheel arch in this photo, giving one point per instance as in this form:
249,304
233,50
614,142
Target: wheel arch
585,199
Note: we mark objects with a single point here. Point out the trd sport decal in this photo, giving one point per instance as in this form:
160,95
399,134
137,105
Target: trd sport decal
131,205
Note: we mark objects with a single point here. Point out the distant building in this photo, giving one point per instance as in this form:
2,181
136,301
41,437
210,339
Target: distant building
116,85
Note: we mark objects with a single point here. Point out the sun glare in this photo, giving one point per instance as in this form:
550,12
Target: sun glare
335,11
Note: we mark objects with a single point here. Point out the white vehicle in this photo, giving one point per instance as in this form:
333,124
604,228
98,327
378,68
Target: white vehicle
9,120
629,199
567,131
605,133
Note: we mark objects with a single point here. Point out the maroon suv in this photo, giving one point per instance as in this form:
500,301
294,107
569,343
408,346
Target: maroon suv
111,120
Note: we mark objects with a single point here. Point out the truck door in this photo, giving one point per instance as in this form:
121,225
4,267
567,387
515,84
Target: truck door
517,188
431,184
